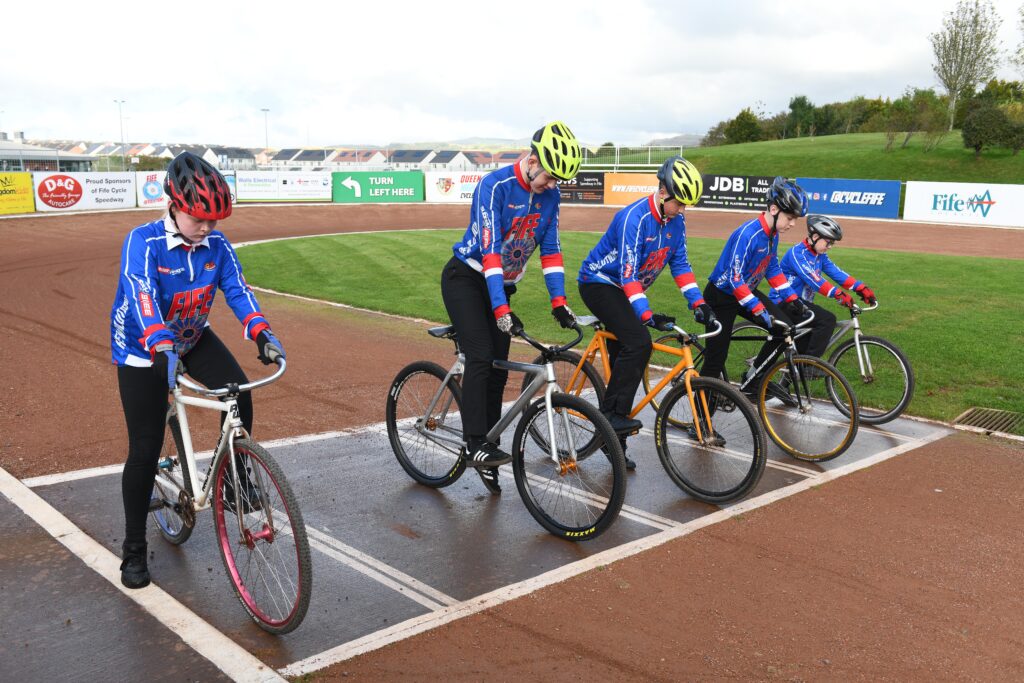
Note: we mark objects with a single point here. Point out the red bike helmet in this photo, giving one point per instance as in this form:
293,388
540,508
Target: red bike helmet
195,187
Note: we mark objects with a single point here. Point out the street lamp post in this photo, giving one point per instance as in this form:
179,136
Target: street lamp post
266,136
120,117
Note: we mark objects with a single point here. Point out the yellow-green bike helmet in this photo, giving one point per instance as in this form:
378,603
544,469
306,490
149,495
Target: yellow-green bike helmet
558,150
681,179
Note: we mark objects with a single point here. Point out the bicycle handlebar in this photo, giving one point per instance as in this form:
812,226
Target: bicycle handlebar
857,310
681,331
224,391
786,329
553,349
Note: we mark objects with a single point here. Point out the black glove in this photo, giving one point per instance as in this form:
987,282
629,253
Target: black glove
796,309
704,315
510,324
165,363
665,323
269,347
564,316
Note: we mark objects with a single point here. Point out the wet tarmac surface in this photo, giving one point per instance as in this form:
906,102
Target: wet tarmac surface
385,549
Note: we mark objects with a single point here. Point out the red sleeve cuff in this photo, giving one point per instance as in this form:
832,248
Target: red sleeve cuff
558,301
502,310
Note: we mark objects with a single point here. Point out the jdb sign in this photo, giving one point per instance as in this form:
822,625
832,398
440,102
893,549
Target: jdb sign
585,188
841,197
975,203
386,186
734,192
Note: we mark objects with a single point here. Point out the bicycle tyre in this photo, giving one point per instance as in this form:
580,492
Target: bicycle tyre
172,521
432,463
595,483
591,389
871,412
728,474
268,525
814,430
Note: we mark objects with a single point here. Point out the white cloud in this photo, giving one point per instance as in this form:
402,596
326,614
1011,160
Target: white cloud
408,71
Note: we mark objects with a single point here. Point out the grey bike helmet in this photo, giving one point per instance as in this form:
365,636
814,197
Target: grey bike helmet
823,226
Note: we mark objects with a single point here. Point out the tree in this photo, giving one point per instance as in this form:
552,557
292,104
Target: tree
801,116
1002,92
1018,57
715,135
984,127
966,49
744,128
1013,136
774,127
606,150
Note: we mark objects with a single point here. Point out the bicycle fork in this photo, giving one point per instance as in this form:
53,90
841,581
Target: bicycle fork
568,464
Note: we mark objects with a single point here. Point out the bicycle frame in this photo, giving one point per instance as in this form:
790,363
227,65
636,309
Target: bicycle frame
541,376
599,344
863,362
231,429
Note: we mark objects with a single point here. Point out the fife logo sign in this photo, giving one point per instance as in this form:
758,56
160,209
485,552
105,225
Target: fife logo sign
953,203
60,191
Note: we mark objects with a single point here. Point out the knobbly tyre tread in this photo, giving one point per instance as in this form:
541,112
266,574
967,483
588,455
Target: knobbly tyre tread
186,531
760,440
909,385
834,376
254,451
611,447
394,394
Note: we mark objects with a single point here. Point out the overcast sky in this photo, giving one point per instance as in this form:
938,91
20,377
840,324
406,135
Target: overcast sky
387,71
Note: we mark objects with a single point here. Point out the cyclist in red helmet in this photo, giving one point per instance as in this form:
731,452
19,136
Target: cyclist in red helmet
170,272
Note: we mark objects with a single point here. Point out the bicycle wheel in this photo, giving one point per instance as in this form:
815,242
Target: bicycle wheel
432,461
660,364
730,461
587,384
884,386
742,352
262,541
803,417
172,489
574,499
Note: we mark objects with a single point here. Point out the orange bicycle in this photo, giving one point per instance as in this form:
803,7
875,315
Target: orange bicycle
707,434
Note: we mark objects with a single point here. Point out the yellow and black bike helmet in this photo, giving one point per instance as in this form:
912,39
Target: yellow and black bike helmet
681,179
558,150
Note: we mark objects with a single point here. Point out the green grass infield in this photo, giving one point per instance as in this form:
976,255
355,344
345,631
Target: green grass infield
964,342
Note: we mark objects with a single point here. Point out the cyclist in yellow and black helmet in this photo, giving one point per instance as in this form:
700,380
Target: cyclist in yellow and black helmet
642,239
514,212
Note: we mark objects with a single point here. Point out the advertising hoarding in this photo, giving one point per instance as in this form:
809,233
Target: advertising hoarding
83,191
973,203
359,187
16,193
843,197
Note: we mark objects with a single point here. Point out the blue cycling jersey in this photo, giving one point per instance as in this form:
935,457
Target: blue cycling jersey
507,222
635,249
166,290
803,268
750,255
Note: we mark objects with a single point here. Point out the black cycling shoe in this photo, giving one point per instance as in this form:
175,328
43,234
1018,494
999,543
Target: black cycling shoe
251,500
776,390
489,476
715,439
486,454
134,570
630,463
622,424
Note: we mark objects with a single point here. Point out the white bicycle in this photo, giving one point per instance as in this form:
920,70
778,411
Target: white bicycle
259,527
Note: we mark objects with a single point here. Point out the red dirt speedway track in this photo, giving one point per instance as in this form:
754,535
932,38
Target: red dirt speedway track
909,569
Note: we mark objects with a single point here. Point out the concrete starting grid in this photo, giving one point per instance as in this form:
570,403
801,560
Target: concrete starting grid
391,558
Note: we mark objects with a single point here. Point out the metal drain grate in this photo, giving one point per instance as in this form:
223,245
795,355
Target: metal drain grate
992,420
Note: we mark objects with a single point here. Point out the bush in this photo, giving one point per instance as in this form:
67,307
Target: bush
984,126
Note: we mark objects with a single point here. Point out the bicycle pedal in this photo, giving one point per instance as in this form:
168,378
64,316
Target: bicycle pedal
156,504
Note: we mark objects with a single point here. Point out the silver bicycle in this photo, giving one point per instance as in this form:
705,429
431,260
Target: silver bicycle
573,494
259,528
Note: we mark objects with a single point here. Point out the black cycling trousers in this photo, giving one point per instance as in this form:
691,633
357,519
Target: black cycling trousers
144,400
629,355
815,343
469,308
726,308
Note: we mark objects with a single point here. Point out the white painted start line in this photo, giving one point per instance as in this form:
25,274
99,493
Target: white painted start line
237,663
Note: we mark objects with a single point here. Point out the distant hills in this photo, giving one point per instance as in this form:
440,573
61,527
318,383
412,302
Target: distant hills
683,140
